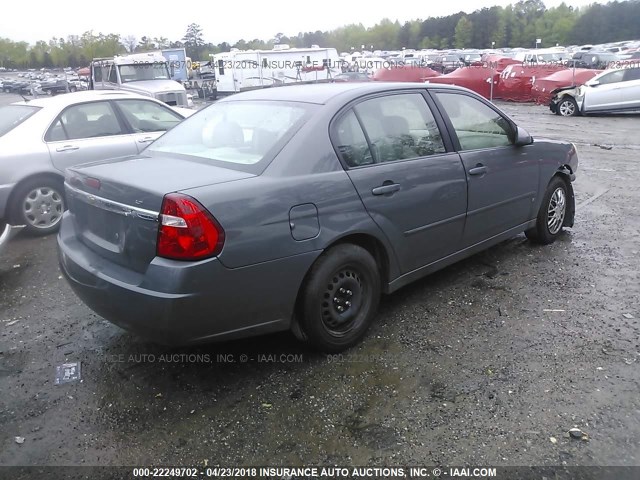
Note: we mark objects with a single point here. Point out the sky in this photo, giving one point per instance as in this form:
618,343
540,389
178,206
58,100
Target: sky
220,20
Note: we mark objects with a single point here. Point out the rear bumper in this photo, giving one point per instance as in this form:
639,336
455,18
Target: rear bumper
178,303
7,232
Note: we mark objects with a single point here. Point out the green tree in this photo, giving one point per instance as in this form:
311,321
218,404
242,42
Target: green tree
130,43
463,33
145,44
193,40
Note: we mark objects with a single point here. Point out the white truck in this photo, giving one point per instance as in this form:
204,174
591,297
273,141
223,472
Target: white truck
240,70
141,73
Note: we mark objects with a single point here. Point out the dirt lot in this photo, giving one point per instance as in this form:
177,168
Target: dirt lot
481,363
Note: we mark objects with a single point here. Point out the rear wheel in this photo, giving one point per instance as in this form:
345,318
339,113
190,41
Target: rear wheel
340,298
567,107
551,214
39,204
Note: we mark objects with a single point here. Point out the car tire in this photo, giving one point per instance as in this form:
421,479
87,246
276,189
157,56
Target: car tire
567,107
552,213
39,204
339,299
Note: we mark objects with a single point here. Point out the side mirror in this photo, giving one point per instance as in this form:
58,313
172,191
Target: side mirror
592,83
522,137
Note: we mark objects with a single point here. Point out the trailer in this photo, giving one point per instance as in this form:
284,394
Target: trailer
239,70
179,65
182,71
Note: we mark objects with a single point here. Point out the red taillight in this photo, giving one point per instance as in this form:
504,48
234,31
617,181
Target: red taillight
92,182
187,230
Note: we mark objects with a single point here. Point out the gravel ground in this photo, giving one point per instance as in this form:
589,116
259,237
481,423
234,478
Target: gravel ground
482,363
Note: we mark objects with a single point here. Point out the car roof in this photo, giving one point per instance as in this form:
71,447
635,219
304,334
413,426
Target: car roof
322,93
78,97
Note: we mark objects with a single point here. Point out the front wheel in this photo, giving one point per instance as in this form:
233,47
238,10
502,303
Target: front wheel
39,204
340,298
551,214
567,107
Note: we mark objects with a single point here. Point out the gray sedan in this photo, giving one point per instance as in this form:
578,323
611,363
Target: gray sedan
40,138
296,207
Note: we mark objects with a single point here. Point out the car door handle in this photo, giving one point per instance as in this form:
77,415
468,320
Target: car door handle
67,148
478,170
386,189
145,140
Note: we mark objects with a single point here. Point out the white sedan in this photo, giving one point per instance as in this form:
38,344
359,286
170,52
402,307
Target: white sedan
40,138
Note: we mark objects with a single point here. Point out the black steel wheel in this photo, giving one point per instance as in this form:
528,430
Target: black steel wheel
340,298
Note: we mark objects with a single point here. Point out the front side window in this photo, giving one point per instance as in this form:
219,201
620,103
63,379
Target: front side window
88,120
97,73
113,75
147,116
476,124
234,133
632,74
400,127
612,77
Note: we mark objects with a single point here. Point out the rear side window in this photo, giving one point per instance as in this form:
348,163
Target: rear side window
400,127
350,141
13,115
88,120
240,133
476,124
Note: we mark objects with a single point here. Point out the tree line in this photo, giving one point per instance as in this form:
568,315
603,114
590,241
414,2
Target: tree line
516,25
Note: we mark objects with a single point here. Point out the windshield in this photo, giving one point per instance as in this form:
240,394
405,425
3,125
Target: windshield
144,71
13,115
240,133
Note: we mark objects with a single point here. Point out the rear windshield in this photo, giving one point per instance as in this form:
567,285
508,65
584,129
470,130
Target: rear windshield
235,134
13,115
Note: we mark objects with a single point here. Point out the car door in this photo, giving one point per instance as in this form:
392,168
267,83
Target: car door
147,119
630,88
502,179
409,179
606,94
88,132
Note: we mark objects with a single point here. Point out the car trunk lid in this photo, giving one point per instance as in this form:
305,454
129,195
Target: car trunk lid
115,205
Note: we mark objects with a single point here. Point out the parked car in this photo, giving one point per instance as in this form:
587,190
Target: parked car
447,63
41,137
296,207
55,86
352,77
616,90
472,60
593,60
